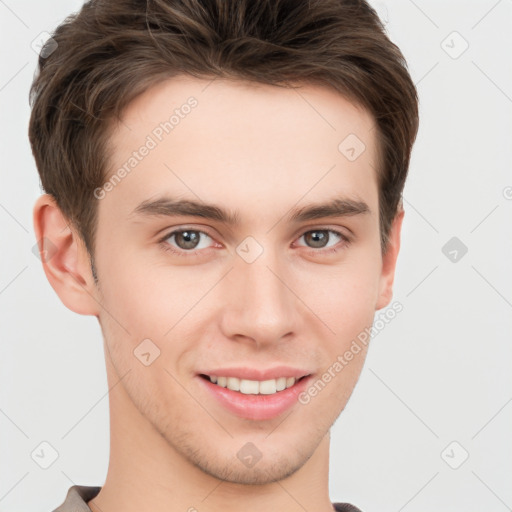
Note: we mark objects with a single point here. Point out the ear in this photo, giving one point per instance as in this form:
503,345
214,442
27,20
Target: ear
65,259
389,259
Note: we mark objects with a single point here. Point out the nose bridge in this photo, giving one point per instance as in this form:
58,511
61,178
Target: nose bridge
260,305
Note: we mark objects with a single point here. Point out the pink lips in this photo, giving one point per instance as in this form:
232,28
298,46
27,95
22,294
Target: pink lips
256,407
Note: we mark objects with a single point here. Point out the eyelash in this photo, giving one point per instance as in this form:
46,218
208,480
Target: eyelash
182,252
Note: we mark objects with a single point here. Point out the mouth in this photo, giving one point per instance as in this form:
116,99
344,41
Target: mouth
253,387
262,398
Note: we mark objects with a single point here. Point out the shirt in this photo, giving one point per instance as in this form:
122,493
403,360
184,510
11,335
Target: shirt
78,496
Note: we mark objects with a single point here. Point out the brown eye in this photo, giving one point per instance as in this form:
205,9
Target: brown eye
319,238
316,239
187,239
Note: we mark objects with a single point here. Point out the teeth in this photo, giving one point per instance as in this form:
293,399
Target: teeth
233,383
281,383
268,387
249,387
254,387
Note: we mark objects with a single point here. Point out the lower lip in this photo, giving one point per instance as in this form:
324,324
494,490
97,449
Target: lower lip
256,407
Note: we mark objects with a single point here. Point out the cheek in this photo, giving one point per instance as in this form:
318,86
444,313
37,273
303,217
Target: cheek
147,297
151,301
348,308
346,294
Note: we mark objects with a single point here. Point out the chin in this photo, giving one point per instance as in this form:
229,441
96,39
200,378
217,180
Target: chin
275,456
263,473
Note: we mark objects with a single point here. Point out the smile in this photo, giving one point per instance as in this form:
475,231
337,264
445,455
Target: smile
255,393
253,387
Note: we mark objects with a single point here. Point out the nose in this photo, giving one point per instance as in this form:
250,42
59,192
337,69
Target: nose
259,305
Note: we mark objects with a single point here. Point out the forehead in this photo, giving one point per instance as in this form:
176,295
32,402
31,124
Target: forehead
249,143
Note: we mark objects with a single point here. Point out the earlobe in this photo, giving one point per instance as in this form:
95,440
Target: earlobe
64,257
389,259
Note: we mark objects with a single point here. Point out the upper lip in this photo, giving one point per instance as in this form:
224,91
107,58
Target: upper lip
257,373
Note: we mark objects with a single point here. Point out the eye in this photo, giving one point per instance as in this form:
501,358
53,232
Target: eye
186,241
320,239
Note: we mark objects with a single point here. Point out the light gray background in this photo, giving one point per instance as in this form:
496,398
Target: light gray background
438,373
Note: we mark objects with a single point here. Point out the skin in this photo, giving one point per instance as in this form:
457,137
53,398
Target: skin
260,151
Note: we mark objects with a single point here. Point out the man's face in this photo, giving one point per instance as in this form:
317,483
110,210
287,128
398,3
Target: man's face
268,296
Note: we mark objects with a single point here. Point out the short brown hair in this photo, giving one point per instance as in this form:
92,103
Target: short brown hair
113,50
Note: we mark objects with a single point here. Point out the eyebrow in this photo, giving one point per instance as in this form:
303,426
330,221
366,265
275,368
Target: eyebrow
166,206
